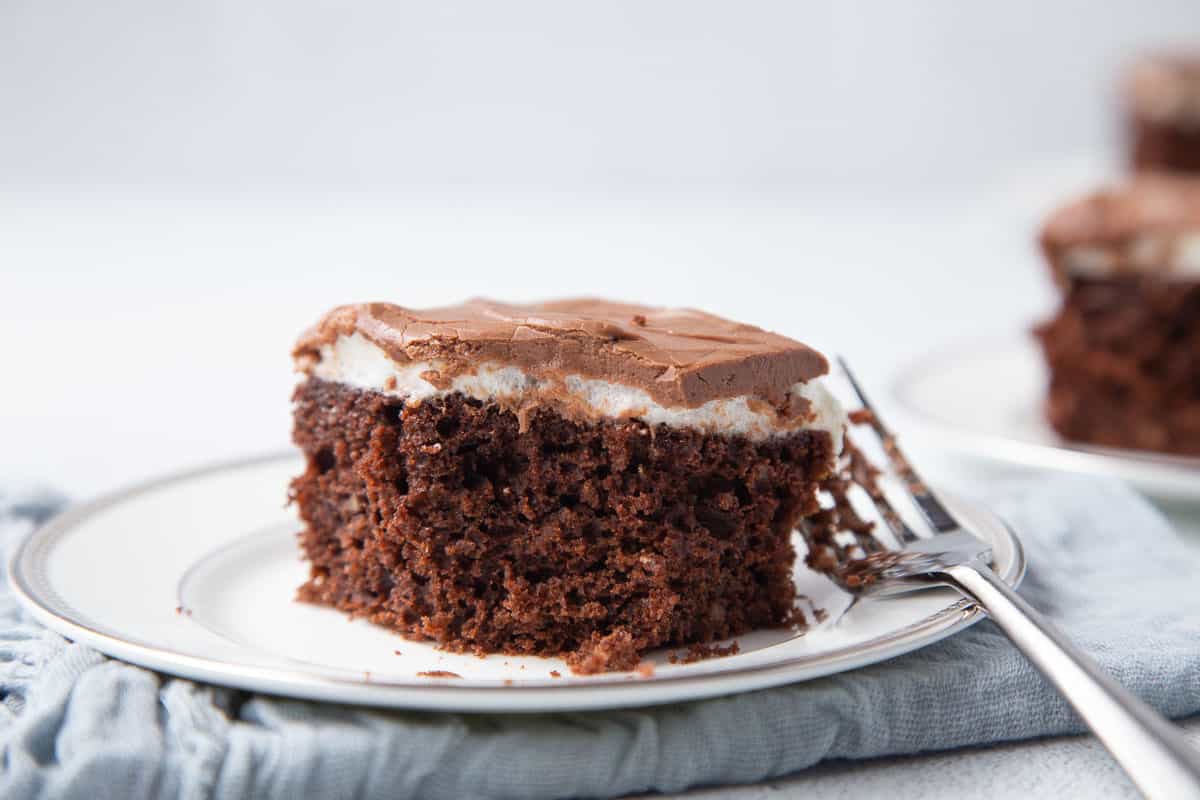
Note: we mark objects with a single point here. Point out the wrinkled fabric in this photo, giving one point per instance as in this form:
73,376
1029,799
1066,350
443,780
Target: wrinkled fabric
1103,564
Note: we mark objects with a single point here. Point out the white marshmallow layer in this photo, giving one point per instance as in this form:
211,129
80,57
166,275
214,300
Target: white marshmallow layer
356,361
1171,256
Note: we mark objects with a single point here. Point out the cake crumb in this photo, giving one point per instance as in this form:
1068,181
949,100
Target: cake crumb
861,416
438,673
645,669
555,673
612,653
699,652
184,612
397,652
639,320
797,620
508,682
390,383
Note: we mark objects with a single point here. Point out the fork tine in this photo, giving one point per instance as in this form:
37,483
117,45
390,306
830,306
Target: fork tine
931,508
865,476
899,528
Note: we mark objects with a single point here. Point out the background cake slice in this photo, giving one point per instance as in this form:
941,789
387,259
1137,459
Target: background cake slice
1124,348
582,478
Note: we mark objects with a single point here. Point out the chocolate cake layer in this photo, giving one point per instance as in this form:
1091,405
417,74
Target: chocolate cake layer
678,357
1124,360
451,521
1163,146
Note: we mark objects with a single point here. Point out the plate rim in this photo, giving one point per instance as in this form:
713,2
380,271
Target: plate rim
337,685
1155,472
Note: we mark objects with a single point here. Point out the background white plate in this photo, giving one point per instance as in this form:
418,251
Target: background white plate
195,575
986,401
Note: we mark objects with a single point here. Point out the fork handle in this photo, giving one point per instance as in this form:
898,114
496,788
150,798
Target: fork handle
1150,749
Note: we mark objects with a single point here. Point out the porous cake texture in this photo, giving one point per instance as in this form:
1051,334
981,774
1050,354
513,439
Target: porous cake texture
631,482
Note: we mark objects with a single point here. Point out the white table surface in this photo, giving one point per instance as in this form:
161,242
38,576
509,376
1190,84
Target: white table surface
145,332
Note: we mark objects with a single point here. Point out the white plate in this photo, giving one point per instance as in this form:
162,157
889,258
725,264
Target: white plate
986,401
195,575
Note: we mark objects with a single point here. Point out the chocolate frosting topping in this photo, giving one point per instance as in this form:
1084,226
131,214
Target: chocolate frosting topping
680,357
1166,87
1117,216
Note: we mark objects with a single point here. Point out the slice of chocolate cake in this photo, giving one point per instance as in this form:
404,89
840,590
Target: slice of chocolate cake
1163,101
578,478
1124,349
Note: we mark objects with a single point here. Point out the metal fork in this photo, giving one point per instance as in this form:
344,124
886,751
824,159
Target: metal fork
1150,749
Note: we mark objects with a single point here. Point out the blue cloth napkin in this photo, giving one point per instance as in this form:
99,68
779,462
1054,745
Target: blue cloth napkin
1103,564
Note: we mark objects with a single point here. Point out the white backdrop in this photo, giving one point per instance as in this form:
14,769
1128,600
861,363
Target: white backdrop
183,187
543,93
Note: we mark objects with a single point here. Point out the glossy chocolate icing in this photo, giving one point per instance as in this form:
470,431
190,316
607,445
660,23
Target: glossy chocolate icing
680,357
